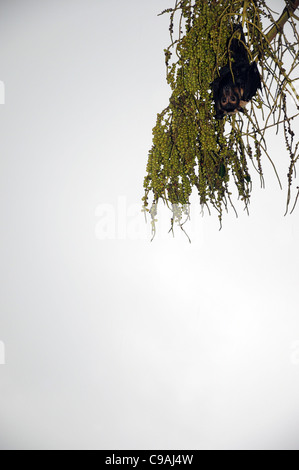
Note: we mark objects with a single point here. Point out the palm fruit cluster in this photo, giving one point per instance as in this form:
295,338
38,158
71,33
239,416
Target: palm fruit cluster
192,150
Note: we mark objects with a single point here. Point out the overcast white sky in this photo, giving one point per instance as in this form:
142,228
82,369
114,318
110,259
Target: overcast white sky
112,341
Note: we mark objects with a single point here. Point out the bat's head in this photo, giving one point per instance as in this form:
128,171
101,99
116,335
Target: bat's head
229,100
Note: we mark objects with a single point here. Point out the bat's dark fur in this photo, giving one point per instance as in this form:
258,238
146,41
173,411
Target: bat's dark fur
237,83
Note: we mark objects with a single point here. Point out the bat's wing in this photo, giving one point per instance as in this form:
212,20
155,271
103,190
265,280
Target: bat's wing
237,47
253,82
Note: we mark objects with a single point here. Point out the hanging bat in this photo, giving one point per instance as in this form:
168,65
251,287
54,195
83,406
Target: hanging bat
238,81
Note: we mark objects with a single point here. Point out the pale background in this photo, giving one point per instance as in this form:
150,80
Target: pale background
112,341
